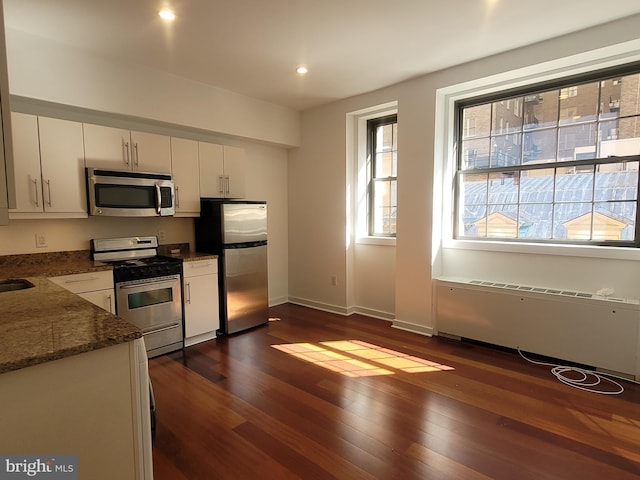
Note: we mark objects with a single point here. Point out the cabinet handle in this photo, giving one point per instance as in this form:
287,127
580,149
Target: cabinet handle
228,184
109,298
221,184
177,190
48,191
126,155
188,299
135,148
35,188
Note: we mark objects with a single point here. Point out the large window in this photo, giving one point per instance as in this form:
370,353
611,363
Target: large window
554,163
382,154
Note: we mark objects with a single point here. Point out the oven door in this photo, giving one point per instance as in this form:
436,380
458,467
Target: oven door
150,304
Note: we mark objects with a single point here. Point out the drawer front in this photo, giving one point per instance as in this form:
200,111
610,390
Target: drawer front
200,267
85,282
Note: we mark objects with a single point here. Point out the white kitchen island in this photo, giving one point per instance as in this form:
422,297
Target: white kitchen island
73,381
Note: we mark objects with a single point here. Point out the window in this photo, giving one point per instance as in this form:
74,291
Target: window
382,155
553,163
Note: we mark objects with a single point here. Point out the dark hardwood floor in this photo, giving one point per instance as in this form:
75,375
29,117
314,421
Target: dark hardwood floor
410,407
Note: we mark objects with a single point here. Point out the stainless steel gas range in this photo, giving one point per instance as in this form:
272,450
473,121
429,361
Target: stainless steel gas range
147,289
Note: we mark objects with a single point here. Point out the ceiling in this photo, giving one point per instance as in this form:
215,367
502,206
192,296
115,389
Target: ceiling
351,47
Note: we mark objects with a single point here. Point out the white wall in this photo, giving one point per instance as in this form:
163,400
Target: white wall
74,234
317,206
318,190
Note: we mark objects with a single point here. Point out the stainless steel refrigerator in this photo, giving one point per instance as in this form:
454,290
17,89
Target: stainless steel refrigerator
236,231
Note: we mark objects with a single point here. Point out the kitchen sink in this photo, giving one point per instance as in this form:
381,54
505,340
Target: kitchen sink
15,284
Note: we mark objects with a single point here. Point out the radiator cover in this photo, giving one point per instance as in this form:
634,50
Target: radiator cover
601,333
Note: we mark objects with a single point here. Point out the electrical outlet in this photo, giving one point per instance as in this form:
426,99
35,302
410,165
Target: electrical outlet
334,280
41,240
161,236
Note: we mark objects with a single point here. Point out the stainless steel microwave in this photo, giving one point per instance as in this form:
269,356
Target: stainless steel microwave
119,193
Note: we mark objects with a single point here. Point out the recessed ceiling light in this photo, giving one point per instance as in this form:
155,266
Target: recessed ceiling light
301,70
167,14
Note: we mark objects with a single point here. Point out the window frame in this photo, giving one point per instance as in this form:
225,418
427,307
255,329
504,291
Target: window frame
372,125
568,83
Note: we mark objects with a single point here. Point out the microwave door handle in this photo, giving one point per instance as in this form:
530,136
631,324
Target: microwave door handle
158,199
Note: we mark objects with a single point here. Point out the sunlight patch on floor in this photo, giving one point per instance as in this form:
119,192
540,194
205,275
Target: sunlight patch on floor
355,358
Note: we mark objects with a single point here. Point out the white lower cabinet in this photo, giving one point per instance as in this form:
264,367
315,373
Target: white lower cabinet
96,287
94,405
201,315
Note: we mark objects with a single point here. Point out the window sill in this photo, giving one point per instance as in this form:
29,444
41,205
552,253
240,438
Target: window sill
385,241
619,253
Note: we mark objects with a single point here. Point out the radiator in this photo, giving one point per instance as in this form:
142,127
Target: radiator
580,327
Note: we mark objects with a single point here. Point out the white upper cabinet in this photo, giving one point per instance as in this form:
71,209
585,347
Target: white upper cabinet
119,149
186,178
152,153
28,174
7,192
234,171
49,167
222,171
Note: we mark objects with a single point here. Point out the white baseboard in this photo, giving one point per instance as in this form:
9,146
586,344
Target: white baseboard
278,301
370,312
413,327
327,307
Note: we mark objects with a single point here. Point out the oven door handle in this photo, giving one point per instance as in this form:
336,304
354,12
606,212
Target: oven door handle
170,280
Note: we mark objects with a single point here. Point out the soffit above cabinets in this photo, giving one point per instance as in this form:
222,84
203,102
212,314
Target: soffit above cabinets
353,47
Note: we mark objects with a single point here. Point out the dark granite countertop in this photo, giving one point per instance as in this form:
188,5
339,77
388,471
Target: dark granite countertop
49,264
182,252
195,256
47,322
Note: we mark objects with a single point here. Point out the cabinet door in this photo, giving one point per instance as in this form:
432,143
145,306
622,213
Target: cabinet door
107,147
186,177
211,158
62,161
101,298
234,171
150,152
97,287
26,153
201,314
